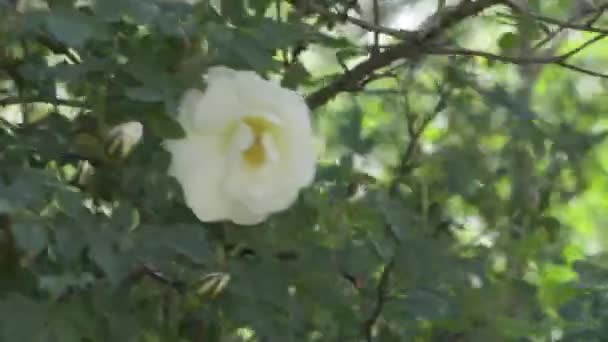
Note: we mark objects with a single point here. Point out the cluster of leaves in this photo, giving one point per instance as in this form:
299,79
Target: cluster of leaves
412,231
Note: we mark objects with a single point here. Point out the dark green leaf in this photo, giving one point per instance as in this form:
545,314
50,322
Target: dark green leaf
31,237
144,94
71,27
164,126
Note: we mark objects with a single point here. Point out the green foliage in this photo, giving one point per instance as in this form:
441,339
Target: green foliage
455,199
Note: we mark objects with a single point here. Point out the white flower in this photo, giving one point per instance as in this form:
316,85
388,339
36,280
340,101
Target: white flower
122,138
248,148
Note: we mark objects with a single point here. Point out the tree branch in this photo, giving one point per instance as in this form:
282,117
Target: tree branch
581,70
408,48
414,136
596,14
58,48
562,24
53,101
372,27
512,59
559,60
381,296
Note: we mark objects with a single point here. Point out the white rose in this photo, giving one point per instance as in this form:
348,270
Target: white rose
248,148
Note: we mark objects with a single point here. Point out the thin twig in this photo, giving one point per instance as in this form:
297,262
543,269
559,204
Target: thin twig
581,70
53,101
596,15
376,10
58,48
561,23
371,27
559,60
284,54
414,135
516,59
381,297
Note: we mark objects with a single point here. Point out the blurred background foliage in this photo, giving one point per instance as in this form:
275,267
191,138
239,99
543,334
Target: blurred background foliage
459,195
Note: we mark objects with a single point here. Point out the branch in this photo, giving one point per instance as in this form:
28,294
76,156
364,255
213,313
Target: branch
559,60
581,70
562,24
414,135
376,10
380,300
58,48
401,34
576,17
409,48
54,101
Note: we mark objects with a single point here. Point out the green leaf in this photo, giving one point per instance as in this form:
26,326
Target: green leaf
189,241
577,309
71,202
144,94
90,146
238,50
58,285
5,206
142,12
71,27
26,190
272,34
30,237
105,253
233,9
421,305
509,43
295,75
164,126
70,240
22,318
591,274
64,331
260,6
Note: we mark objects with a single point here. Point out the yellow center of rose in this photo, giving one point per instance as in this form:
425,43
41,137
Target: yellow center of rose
255,154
